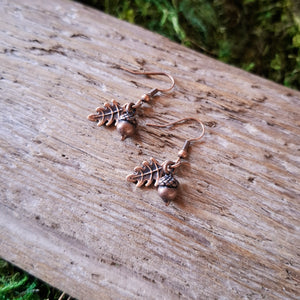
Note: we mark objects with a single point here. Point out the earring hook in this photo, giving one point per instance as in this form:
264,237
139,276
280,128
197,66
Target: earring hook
184,151
179,121
155,90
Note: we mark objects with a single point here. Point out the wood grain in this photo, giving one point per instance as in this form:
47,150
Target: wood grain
67,214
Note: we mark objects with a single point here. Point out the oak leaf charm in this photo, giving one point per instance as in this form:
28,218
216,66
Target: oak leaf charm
146,174
108,114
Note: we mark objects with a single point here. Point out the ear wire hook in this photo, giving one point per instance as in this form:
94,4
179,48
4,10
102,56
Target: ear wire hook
137,72
184,151
179,121
146,97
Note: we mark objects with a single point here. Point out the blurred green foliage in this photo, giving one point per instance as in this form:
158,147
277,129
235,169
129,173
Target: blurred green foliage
15,284
261,36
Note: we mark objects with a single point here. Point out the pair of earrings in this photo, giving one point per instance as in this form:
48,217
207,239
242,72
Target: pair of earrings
123,117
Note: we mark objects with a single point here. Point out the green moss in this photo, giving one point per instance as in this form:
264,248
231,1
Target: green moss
16,284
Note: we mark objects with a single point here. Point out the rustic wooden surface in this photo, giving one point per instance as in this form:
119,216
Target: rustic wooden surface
67,214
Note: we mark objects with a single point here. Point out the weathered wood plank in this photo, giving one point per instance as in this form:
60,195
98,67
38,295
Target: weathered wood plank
67,214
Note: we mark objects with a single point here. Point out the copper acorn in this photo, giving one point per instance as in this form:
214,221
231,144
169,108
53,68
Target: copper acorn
167,188
126,124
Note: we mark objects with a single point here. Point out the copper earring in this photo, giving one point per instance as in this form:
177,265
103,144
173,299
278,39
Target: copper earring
123,116
162,174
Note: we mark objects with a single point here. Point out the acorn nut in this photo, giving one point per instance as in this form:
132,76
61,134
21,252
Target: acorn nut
167,188
126,125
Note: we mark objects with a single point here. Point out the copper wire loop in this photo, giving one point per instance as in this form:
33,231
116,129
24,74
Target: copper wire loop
176,164
138,104
167,166
129,106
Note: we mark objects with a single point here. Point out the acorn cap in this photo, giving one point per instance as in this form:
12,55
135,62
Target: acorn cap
128,117
168,181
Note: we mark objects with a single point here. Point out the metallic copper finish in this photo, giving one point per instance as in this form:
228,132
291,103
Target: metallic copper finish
137,72
145,98
183,153
148,96
158,173
167,194
108,114
167,188
163,174
116,114
129,107
167,165
146,174
179,121
127,123
126,129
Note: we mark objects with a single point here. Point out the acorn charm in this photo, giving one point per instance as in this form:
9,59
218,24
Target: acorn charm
126,124
162,174
154,172
122,116
167,188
